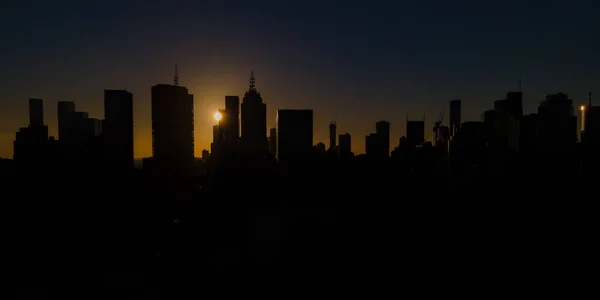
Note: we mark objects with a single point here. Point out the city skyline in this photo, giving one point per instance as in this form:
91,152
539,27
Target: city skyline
320,134
354,65
160,149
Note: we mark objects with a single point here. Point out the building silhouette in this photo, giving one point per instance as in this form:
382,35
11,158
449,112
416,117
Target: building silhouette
230,120
216,143
415,132
273,142
371,145
205,154
443,140
332,136
558,132
345,147
377,145
455,116
254,122
117,129
382,129
548,138
31,143
468,149
590,139
286,222
80,127
294,134
528,134
29,146
65,110
36,112
441,134
515,104
319,149
95,126
83,148
172,129
508,112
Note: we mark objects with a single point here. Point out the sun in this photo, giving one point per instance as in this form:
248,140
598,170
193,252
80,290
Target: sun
218,116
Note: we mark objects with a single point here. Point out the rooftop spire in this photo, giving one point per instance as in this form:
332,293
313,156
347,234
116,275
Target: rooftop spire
176,78
590,99
252,82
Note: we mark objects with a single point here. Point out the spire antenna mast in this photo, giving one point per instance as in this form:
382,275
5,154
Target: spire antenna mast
252,81
176,78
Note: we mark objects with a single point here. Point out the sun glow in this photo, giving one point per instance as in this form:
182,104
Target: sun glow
218,116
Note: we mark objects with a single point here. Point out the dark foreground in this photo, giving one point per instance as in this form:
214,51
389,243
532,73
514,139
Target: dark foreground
316,232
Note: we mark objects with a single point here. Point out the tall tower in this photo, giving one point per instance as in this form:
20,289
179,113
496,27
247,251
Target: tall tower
232,117
254,121
332,135
172,129
345,149
215,145
29,145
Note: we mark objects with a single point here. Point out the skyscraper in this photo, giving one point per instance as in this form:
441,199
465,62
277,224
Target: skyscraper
65,111
36,112
371,149
294,134
254,122
345,148
332,135
590,138
29,146
214,146
79,127
508,112
455,116
232,118
172,129
557,124
117,129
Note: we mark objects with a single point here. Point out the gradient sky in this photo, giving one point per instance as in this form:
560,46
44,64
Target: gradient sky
355,62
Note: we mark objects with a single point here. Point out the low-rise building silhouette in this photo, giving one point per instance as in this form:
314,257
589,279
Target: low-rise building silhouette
294,134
